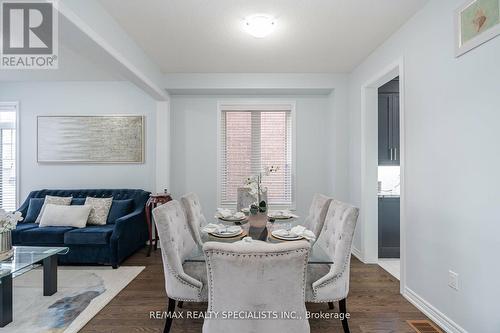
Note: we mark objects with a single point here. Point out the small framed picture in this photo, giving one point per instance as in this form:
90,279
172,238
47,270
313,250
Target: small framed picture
476,22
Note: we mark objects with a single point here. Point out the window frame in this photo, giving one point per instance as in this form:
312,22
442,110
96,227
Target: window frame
15,106
257,105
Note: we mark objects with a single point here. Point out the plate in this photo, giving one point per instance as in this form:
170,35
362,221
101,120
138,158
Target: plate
280,217
287,238
231,219
226,234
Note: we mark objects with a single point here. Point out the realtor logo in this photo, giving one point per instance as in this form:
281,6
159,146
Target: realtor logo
29,35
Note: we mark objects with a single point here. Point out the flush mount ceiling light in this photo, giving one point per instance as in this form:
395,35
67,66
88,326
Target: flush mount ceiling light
259,25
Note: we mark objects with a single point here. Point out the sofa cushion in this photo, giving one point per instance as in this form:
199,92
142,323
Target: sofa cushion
119,208
96,234
16,233
100,210
65,216
52,200
45,235
34,208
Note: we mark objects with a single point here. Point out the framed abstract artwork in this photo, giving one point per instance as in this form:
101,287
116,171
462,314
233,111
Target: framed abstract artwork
476,22
90,139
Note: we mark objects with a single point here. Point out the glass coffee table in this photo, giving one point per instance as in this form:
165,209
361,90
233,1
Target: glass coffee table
26,258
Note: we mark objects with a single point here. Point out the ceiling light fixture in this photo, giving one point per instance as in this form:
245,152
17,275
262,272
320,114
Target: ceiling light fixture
259,25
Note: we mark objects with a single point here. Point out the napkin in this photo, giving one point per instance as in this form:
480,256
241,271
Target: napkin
218,228
304,232
296,231
228,213
282,213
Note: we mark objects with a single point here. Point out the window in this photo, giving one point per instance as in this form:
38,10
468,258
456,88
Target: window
252,138
8,154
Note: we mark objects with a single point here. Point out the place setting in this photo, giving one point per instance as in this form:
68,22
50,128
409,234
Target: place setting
296,233
281,215
229,215
223,230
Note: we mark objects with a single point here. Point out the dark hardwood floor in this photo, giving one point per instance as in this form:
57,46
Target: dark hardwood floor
374,303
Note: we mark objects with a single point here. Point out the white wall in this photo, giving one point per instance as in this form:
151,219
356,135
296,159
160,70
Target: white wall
194,147
452,163
65,98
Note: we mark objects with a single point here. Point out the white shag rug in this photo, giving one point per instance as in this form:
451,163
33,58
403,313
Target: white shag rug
82,292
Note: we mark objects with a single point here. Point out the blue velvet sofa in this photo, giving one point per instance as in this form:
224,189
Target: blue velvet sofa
125,232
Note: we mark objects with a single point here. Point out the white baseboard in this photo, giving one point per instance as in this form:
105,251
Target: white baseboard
357,254
430,311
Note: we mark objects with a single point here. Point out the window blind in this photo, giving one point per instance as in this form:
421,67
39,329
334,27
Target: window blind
250,142
8,146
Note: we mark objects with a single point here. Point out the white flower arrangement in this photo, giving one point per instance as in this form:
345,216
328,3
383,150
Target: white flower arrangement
9,220
254,183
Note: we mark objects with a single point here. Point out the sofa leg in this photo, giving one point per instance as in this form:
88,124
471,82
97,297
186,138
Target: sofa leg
343,310
170,311
115,266
330,305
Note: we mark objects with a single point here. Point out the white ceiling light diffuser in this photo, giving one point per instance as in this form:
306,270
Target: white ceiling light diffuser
259,25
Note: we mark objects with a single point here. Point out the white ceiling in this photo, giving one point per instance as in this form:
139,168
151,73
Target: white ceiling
312,36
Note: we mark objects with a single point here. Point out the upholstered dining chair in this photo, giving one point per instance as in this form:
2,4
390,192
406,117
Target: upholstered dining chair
195,217
183,281
317,213
330,283
256,277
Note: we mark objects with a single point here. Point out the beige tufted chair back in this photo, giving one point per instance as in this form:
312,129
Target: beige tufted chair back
176,245
256,277
195,217
336,238
317,213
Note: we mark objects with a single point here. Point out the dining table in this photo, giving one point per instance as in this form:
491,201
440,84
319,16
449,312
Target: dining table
260,228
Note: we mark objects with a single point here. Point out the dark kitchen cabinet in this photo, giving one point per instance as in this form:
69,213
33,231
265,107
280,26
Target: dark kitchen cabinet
388,129
388,227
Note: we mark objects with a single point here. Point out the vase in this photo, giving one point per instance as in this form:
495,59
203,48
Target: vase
258,220
6,250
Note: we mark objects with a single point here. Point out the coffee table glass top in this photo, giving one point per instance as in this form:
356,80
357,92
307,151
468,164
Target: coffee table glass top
260,231
25,258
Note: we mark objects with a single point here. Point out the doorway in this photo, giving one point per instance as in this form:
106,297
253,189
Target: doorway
370,166
388,186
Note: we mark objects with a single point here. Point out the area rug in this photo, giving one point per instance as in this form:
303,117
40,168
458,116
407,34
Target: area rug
82,292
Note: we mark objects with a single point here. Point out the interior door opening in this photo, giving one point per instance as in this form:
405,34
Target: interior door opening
389,175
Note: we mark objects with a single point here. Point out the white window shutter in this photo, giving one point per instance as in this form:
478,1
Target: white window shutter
252,139
8,156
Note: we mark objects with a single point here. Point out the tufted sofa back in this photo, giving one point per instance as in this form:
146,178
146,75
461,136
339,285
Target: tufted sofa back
139,196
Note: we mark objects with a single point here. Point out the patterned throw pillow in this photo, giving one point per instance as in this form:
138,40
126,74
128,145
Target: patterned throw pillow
100,210
49,199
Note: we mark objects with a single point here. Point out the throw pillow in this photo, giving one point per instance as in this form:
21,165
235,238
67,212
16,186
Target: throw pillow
51,200
119,208
65,216
100,209
34,208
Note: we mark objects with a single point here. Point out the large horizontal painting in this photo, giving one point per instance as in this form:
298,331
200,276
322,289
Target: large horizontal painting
90,139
